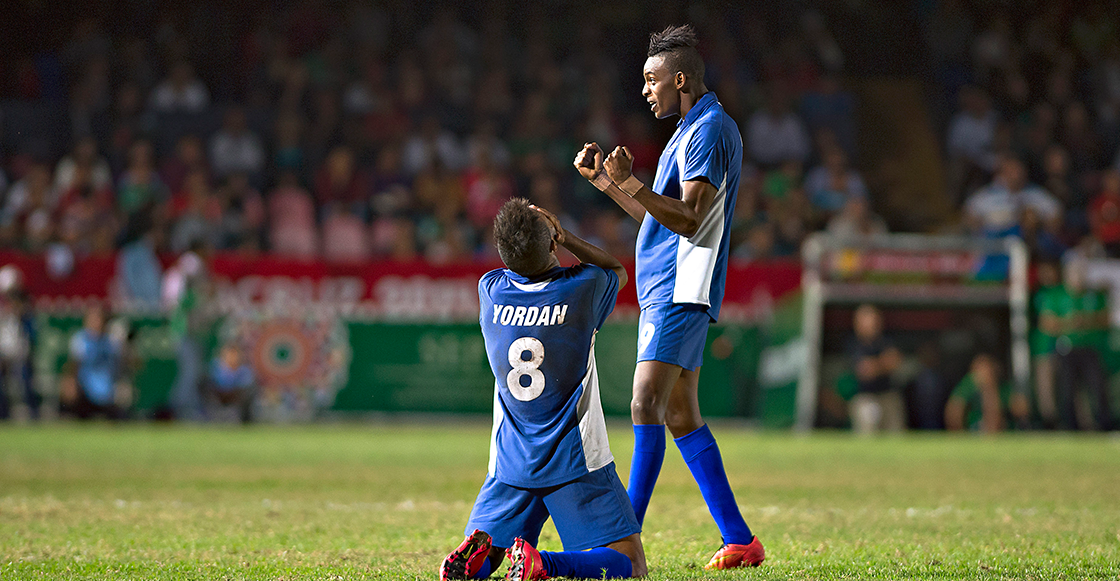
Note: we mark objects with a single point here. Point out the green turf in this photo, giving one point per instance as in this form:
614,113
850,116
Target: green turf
388,500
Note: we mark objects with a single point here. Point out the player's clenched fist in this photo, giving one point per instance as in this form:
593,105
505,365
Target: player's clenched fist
589,161
619,164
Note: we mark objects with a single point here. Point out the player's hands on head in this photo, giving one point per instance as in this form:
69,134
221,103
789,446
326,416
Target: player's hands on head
589,161
619,164
558,233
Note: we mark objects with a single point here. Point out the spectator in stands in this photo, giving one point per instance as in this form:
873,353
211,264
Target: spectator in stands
341,183
140,185
1077,318
82,207
996,210
877,406
390,186
287,146
232,384
971,137
236,149
137,264
89,385
1104,213
429,143
833,184
856,220
1080,138
486,188
1043,240
291,215
830,108
345,236
1063,184
982,402
181,92
775,134
83,156
189,156
197,213
34,191
243,214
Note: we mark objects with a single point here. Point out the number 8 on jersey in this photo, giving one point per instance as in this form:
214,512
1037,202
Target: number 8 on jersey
521,368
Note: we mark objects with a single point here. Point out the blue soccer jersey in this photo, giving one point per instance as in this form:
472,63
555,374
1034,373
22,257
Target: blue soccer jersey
540,340
671,268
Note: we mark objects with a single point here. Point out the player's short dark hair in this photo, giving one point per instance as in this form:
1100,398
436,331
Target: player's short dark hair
523,237
677,46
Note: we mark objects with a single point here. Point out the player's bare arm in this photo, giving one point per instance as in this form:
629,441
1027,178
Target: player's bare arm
582,249
589,162
682,216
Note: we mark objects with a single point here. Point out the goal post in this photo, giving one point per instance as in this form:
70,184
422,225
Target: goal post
910,270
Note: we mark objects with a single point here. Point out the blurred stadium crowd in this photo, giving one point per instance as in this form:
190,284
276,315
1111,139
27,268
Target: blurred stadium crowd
352,130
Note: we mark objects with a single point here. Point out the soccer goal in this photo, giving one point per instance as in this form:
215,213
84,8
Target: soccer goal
921,278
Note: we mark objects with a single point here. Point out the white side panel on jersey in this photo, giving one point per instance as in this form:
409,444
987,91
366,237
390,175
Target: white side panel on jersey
696,256
499,417
592,424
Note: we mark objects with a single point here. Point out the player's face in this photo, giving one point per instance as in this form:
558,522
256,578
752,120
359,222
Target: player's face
660,88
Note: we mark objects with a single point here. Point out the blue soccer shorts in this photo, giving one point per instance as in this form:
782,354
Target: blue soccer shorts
590,511
673,333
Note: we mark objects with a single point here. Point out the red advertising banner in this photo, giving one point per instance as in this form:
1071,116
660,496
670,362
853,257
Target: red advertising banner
377,290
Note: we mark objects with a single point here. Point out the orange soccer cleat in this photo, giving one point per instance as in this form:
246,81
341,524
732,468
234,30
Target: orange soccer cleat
732,556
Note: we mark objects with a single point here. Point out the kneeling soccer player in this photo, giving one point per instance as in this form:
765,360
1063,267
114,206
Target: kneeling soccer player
549,454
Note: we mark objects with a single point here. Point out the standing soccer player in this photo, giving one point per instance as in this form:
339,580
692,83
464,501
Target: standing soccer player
549,454
681,254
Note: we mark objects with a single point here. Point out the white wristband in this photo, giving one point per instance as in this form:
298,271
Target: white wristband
602,181
631,186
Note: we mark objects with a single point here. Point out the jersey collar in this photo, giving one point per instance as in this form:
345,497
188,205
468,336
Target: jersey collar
545,276
705,101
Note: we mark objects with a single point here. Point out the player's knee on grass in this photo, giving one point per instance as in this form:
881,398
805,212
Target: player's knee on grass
631,546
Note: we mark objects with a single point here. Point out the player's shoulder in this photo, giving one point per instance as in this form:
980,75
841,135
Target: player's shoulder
587,271
487,280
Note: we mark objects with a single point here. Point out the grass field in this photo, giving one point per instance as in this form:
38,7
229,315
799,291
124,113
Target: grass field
388,500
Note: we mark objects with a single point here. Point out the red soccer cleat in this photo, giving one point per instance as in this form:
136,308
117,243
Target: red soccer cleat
732,556
464,562
524,562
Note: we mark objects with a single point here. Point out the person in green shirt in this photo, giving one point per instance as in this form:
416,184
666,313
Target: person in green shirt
1043,343
1077,318
981,402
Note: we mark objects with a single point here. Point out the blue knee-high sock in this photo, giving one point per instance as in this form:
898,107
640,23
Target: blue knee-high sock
702,456
649,453
594,564
485,571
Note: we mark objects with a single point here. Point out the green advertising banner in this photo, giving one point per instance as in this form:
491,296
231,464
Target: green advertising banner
438,368
417,367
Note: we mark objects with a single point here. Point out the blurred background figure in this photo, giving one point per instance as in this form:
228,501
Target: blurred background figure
186,293
89,385
231,385
18,398
1077,318
877,405
982,402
